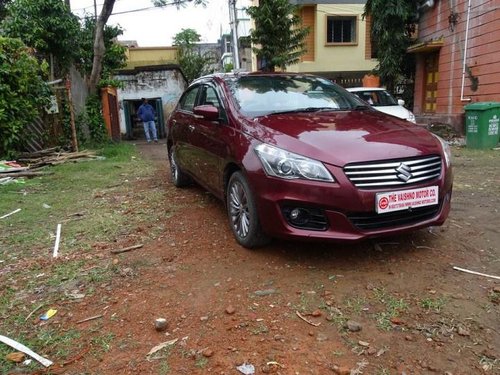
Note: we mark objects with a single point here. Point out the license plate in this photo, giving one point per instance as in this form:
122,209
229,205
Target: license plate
405,199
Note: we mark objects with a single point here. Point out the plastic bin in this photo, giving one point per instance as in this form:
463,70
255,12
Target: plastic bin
482,121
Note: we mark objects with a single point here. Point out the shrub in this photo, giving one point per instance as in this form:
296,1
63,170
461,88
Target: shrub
22,92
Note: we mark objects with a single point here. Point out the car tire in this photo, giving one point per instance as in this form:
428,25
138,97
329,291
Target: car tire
179,178
242,212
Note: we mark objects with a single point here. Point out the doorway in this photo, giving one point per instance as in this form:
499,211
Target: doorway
135,129
431,82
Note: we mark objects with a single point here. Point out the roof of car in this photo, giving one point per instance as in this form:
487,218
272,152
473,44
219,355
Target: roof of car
256,73
355,89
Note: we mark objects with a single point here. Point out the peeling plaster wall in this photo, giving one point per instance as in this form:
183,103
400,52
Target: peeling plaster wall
165,84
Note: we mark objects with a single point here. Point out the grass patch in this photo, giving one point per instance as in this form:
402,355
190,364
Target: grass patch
201,362
433,304
356,304
93,200
393,307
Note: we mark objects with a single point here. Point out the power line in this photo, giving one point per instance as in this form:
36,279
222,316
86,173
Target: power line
133,10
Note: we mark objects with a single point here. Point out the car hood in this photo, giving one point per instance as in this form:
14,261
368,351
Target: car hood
394,110
339,138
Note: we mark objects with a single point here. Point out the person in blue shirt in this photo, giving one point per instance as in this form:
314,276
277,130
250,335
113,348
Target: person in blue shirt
146,114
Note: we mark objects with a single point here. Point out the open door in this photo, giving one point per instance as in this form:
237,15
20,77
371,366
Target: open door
135,129
160,121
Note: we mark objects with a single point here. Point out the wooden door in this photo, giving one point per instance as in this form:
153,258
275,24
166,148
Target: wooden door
431,82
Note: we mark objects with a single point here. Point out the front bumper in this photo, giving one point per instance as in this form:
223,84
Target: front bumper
349,211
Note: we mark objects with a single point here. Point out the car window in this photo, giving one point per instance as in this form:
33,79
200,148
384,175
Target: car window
377,98
263,95
209,96
188,99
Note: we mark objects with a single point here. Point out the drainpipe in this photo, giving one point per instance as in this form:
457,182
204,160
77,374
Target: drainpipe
465,55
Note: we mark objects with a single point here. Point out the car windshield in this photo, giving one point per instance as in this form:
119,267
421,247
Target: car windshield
276,94
377,98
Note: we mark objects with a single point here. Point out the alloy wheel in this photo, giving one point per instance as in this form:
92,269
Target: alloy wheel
238,209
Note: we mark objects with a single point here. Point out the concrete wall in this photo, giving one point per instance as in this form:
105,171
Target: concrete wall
166,84
482,57
142,56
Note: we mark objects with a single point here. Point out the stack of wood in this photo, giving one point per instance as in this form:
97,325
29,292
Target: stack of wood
24,166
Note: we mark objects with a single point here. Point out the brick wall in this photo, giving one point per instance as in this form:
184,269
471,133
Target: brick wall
483,56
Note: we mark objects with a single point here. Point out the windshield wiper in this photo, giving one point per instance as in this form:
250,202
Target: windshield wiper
308,109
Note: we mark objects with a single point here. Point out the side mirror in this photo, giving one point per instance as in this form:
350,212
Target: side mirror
208,112
401,102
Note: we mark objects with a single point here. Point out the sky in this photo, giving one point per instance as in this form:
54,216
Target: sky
157,26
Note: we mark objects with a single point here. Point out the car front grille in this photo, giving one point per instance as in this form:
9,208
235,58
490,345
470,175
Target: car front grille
367,221
393,173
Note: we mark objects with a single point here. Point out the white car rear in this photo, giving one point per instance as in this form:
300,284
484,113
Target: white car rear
383,101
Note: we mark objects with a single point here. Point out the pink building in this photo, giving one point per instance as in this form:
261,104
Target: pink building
458,58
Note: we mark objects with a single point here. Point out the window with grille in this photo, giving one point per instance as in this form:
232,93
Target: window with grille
341,30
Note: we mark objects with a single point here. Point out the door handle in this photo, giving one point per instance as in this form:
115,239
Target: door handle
191,128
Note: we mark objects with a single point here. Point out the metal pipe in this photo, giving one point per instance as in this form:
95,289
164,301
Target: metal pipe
233,15
465,55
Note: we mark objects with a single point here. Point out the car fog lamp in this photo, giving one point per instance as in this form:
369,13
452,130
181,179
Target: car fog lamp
294,214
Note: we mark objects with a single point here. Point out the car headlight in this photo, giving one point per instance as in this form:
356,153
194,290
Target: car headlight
411,117
287,165
446,149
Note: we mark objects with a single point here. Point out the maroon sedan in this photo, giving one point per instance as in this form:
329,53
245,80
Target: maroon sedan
297,157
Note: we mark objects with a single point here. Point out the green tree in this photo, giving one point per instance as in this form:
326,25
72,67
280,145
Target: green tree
3,8
114,55
393,22
47,26
278,36
99,45
22,92
192,62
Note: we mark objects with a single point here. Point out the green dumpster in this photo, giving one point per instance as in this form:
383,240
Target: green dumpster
481,124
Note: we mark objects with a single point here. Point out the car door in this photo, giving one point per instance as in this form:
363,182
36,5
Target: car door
181,126
210,141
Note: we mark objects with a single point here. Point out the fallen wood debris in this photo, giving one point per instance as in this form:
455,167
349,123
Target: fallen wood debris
20,347
89,319
76,357
305,320
476,273
56,158
10,213
55,253
34,311
160,347
27,162
124,250
26,173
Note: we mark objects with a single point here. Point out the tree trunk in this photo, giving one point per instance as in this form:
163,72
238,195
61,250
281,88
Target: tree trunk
99,48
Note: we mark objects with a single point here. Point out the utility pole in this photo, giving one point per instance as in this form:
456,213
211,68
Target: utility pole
233,17
95,10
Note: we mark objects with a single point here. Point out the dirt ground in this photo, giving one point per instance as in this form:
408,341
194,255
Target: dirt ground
391,306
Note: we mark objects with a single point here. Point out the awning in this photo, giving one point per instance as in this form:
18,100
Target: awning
428,46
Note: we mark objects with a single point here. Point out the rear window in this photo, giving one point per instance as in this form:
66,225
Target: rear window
377,98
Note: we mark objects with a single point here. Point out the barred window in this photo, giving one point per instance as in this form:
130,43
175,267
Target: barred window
341,29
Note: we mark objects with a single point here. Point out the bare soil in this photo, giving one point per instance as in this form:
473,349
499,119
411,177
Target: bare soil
227,306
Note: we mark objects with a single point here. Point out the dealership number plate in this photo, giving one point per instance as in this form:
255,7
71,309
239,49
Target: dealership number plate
405,199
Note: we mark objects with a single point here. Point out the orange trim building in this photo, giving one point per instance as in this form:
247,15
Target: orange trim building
458,60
